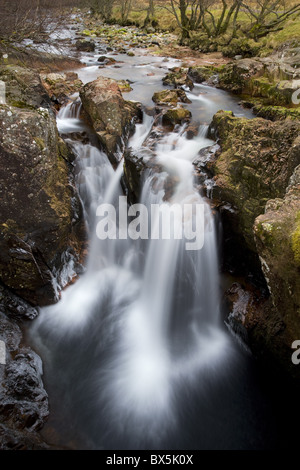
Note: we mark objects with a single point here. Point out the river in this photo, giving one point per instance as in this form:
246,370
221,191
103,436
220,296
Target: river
136,353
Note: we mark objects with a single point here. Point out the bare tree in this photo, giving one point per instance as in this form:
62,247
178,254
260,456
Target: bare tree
21,19
268,15
150,13
125,8
228,17
103,8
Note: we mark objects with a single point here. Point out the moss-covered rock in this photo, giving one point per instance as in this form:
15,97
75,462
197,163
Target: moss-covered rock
124,86
112,117
268,78
277,237
24,88
254,164
170,97
276,113
200,74
40,209
177,78
176,116
60,86
85,45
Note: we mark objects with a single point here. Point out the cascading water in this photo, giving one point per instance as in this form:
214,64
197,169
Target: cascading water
147,310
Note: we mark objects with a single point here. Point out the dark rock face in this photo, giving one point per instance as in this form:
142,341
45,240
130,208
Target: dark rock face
40,207
23,399
112,117
175,116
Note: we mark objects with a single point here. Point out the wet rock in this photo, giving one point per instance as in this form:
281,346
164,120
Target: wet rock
201,74
14,306
170,97
106,60
176,116
124,86
24,87
85,45
178,78
60,86
112,117
24,401
40,210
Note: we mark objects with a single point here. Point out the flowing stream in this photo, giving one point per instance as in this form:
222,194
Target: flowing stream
136,352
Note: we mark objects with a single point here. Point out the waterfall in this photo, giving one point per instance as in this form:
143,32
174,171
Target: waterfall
145,314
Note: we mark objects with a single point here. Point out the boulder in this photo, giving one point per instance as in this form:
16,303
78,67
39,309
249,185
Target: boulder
124,86
40,215
24,87
112,117
178,78
170,97
60,86
175,116
200,74
85,45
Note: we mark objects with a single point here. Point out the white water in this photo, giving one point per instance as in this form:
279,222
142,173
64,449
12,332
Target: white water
150,308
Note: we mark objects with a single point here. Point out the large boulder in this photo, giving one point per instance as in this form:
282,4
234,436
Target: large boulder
40,212
112,117
254,163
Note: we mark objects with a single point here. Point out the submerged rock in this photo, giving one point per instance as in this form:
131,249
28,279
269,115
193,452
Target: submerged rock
112,117
40,212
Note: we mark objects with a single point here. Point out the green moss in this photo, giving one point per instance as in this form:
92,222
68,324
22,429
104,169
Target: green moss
40,143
